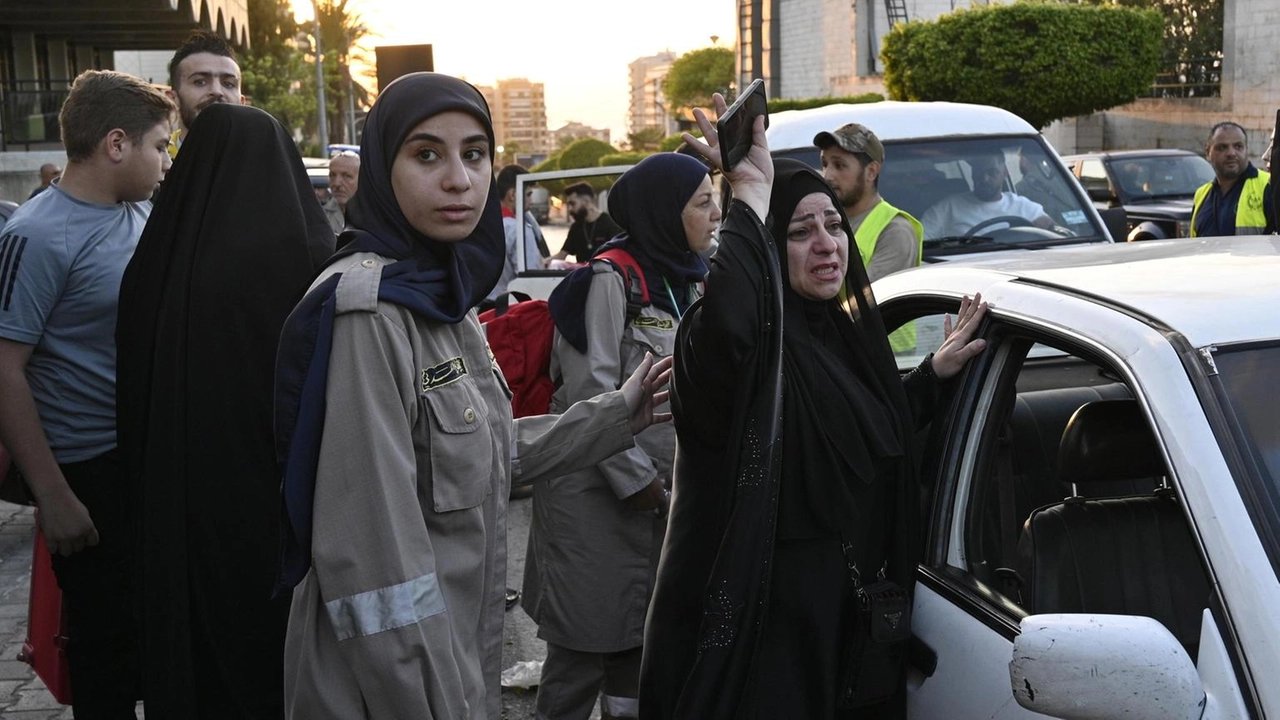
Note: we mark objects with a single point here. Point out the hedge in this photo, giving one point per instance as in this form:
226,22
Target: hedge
1042,61
778,105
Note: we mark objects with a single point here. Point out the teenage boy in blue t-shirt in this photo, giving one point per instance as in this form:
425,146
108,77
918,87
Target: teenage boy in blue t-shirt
62,256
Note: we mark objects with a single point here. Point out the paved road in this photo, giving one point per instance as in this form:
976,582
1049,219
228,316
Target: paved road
24,697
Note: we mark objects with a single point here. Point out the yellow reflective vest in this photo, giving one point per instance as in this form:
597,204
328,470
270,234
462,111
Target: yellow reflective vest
1251,216
867,235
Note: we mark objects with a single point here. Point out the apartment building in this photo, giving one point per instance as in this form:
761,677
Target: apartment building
648,103
519,109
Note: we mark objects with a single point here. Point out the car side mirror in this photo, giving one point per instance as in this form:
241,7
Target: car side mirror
1102,195
1104,667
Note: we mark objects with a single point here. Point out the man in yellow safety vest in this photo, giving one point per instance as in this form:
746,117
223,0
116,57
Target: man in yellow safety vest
888,239
1237,201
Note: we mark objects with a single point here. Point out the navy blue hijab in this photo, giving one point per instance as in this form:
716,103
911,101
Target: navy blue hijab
646,202
440,281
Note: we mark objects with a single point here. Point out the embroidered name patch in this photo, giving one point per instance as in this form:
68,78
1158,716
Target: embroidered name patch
446,373
644,321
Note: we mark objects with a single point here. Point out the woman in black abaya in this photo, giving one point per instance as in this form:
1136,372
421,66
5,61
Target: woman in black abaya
233,242
795,469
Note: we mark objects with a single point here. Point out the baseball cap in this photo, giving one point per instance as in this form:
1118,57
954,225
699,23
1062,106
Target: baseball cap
852,138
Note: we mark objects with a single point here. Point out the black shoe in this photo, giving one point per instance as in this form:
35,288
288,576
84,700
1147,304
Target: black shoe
513,597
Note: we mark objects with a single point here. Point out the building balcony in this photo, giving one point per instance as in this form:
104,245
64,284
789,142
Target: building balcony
127,24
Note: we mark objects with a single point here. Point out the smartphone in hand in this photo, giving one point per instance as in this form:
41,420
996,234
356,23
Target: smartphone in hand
734,127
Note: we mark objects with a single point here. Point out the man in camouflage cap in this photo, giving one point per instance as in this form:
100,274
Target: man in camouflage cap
888,239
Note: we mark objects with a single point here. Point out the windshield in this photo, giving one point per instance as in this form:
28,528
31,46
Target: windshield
1023,198
1248,380
1161,176
997,190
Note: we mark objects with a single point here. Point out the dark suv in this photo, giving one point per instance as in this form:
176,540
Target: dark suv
1155,187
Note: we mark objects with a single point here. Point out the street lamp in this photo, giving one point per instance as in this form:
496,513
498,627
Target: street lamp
324,120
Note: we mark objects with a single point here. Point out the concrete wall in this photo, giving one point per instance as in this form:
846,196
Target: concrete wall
20,171
803,48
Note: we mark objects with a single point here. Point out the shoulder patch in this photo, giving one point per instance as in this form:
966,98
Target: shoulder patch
446,373
647,321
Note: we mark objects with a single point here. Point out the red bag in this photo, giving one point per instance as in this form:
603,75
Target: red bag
521,336
45,648
521,339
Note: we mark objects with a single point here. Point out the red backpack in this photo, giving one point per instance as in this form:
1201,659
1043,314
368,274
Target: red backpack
521,337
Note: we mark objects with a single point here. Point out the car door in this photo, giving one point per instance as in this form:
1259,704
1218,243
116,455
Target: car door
990,458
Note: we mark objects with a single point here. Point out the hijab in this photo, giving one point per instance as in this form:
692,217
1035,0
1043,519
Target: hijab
440,281
648,203
833,386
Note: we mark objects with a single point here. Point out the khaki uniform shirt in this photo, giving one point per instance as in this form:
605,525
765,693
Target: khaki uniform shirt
401,613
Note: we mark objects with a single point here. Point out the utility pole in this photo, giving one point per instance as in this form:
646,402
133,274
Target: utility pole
324,120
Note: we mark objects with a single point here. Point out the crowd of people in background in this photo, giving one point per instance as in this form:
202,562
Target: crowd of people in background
272,450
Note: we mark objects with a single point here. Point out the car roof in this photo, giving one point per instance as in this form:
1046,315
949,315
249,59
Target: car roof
891,120
1127,154
1212,290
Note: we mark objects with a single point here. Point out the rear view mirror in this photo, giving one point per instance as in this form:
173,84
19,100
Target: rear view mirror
1104,667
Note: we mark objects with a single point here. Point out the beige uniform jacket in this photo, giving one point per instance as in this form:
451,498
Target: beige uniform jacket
401,613
591,562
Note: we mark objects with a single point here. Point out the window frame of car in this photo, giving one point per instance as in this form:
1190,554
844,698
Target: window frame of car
954,458
535,177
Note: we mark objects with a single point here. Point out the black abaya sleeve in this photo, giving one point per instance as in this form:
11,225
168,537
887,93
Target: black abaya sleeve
721,332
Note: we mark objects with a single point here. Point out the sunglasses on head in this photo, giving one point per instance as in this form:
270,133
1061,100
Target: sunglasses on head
343,153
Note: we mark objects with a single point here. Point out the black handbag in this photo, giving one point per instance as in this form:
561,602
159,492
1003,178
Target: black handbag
876,640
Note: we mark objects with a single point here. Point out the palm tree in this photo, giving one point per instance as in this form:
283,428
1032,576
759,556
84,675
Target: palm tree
341,32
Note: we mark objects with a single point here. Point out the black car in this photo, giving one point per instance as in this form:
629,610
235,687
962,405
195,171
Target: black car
1155,187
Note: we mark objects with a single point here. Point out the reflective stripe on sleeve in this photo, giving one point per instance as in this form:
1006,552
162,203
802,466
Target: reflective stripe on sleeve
386,608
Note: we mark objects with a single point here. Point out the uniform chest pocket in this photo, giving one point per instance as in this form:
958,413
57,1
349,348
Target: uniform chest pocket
459,445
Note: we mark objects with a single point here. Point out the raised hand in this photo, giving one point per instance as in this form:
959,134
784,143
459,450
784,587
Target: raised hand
959,346
752,178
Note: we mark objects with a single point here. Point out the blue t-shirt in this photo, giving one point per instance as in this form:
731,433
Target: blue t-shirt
61,261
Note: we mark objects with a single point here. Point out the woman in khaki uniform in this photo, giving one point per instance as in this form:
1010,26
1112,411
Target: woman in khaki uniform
395,429
596,534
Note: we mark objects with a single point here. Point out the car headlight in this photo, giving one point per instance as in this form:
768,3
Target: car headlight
1184,228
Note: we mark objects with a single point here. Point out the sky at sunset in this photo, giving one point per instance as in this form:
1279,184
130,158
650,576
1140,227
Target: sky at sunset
579,50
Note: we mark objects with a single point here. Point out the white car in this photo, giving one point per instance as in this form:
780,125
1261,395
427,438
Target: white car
929,150
1103,534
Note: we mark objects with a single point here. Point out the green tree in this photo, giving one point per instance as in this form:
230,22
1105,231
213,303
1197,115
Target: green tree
697,74
276,75
341,31
623,158
647,138
1192,49
778,105
671,143
1041,61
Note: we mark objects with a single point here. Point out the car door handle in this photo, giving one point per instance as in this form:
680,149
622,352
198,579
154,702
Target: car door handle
922,657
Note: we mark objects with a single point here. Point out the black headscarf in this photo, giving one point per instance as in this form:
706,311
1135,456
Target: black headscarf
647,203
235,238
440,281
832,376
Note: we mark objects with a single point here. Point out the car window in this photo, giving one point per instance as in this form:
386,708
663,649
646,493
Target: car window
1093,176
1248,376
1161,176
957,187
1027,522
